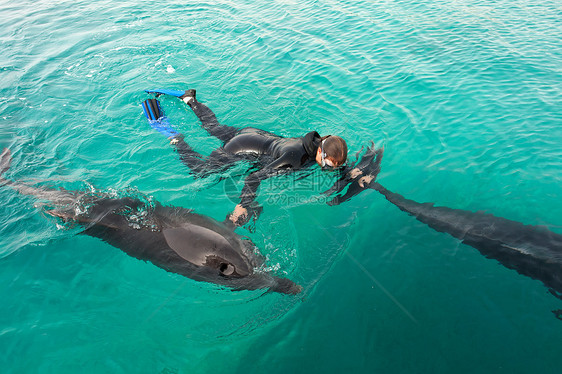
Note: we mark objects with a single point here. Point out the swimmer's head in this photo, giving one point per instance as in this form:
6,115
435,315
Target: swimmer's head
332,151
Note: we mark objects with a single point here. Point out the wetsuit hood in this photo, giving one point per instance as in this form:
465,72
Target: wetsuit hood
311,142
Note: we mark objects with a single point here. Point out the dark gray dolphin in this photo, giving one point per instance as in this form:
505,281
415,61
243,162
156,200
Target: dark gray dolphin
172,238
530,250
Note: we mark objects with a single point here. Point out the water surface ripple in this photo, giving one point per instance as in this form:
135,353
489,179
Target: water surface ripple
464,95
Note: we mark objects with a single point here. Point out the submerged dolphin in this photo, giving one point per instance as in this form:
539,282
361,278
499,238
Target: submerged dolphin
172,238
530,250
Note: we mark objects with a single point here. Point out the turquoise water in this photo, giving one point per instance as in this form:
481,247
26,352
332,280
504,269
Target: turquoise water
466,97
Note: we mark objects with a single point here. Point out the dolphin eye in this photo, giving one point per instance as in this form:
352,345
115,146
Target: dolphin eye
226,269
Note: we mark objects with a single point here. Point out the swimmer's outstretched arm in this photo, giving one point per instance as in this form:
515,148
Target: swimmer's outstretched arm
248,195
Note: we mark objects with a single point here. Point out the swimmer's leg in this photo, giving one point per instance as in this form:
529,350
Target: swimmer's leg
158,121
200,166
218,160
208,119
190,158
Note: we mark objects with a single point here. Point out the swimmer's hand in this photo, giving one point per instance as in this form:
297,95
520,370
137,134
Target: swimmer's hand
364,181
354,173
238,215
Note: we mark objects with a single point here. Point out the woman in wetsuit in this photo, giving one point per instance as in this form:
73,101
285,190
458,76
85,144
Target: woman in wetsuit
273,153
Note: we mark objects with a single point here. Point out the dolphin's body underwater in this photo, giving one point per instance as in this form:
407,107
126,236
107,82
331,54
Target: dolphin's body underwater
172,238
530,250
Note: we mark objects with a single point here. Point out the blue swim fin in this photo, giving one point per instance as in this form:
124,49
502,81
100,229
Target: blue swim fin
157,119
176,93
152,110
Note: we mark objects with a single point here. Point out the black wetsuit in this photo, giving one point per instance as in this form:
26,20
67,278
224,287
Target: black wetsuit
272,153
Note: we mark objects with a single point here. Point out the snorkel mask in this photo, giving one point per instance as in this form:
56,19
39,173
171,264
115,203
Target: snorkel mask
323,161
